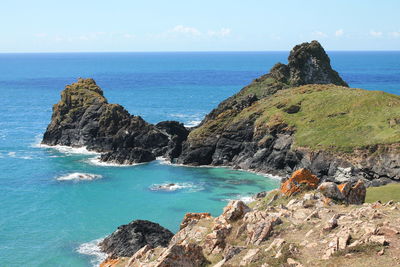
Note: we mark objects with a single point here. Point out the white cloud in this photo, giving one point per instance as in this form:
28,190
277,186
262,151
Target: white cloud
223,32
187,31
339,32
395,34
320,34
374,33
190,31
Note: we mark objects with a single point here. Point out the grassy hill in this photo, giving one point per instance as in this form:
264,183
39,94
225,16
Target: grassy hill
322,116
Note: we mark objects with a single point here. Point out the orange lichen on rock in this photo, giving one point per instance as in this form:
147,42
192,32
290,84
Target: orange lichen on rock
189,217
109,262
300,179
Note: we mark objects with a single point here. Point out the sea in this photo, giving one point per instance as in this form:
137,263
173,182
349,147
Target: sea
56,204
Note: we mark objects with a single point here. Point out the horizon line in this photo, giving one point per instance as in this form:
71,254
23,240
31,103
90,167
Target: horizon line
180,51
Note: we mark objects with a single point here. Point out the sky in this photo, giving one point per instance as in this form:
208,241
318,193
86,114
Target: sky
206,25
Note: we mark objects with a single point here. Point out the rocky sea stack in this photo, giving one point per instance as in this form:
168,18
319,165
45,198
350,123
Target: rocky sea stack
300,115
83,117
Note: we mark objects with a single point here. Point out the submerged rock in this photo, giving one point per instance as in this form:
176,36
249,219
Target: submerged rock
129,238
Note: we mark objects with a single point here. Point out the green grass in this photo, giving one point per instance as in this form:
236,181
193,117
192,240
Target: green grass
383,193
331,117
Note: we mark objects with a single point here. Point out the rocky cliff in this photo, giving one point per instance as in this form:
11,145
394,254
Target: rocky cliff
83,117
300,115
298,225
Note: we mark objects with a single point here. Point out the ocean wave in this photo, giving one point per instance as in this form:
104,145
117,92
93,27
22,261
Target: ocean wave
96,161
93,250
245,199
13,154
192,120
68,150
78,176
170,187
163,161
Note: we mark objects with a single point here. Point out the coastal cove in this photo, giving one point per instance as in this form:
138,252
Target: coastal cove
55,201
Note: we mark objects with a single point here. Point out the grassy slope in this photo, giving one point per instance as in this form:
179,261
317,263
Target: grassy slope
331,117
383,193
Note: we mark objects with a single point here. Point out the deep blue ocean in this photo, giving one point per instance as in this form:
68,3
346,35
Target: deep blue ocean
48,217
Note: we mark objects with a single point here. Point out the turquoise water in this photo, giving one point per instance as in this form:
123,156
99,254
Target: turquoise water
44,220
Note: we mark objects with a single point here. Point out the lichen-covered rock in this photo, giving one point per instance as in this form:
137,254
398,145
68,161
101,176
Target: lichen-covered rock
182,255
351,194
187,255
193,217
301,179
330,190
84,118
235,210
357,193
129,238
309,64
250,257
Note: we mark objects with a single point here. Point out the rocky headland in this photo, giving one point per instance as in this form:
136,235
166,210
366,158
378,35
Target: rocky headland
301,120
306,222
299,115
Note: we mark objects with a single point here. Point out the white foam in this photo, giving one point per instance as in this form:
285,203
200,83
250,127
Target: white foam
69,150
78,176
245,199
170,187
163,161
93,250
13,154
96,161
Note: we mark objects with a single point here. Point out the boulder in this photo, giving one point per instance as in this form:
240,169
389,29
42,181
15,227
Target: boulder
330,190
235,210
351,194
300,180
251,256
129,238
185,255
190,217
357,193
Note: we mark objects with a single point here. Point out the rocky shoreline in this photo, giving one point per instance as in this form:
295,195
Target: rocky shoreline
304,223
226,137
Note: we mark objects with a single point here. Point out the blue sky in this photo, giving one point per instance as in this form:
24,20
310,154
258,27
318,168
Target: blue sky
217,25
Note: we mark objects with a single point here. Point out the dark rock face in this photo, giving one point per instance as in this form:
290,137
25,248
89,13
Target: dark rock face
83,117
129,238
240,145
308,64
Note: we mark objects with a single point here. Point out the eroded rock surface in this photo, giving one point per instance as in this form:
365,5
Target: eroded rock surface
84,118
298,230
129,238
